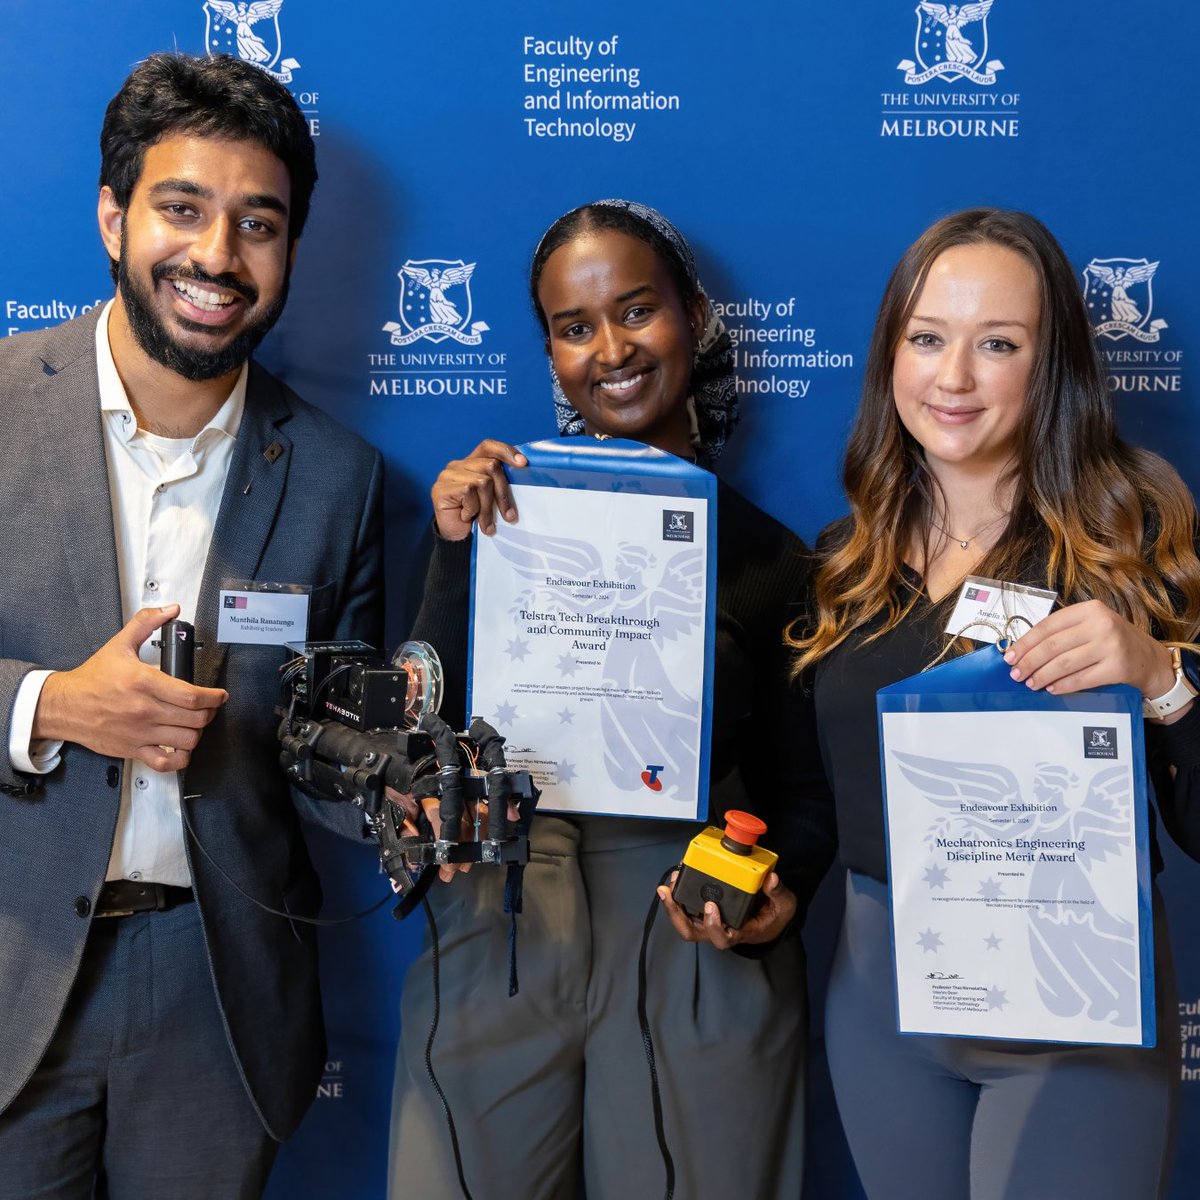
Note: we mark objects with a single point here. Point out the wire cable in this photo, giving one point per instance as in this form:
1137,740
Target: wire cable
433,1028
275,912
648,1042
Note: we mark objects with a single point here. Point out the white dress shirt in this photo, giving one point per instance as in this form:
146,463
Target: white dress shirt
165,493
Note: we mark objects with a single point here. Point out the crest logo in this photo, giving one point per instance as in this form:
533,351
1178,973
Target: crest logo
944,51
1099,741
1120,298
425,309
249,30
677,525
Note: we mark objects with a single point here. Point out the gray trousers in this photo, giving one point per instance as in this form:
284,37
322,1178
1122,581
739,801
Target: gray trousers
138,1095
550,1089
933,1118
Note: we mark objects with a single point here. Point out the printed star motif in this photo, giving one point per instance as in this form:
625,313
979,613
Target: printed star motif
991,889
996,998
518,648
929,941
566,771
992,942
566,717
506,714
936,877
567,664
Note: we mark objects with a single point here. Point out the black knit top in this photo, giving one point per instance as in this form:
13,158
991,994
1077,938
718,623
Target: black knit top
845,683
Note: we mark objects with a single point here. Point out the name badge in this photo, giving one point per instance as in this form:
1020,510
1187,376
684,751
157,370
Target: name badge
253,617
989,609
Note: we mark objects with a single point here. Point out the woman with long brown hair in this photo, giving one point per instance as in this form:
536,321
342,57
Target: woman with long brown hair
986,445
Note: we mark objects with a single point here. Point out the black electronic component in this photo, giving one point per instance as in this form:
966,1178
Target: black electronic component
177,650
354,725
727,868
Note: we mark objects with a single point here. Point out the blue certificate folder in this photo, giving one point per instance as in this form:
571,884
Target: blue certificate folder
1018,857
585,729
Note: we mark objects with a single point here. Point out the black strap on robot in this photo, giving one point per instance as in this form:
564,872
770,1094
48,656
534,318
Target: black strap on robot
491,755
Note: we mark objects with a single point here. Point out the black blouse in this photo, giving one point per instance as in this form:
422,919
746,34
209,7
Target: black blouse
764,751
844,687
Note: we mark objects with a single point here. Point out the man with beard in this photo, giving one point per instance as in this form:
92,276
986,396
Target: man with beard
162,1032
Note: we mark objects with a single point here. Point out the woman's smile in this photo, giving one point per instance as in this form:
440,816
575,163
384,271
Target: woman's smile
620,337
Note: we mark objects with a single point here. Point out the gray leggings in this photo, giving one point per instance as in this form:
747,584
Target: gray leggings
963,1119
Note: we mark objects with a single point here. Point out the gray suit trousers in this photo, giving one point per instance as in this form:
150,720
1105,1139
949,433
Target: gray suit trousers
138,1082
550,1089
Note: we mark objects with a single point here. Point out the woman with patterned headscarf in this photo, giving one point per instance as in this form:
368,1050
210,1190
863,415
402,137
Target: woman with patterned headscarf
550,1088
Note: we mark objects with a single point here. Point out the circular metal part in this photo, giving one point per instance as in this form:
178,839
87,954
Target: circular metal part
419,661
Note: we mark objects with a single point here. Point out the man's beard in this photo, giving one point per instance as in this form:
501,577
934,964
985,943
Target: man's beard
193,363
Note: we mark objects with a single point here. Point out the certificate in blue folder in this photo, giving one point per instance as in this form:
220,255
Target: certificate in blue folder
1018,857
592,626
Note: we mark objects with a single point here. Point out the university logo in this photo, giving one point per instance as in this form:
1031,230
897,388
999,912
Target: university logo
249,31
1099,741
1120,298
677,525
425,308
951,43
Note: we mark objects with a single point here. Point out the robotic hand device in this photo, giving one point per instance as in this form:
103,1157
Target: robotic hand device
357,728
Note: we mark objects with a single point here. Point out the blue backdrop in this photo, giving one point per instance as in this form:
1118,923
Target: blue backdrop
800,148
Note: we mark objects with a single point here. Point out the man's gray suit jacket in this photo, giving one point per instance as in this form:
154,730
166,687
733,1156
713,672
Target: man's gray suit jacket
302,504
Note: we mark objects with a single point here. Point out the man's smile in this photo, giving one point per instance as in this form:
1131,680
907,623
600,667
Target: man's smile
203,297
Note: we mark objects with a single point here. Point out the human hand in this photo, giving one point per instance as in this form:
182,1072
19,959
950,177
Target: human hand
772,918
119,706
474,488
1089,645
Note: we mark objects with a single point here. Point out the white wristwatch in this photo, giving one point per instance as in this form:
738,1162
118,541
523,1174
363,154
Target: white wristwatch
1180,694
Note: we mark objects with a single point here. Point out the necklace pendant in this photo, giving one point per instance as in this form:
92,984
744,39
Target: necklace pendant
965,544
